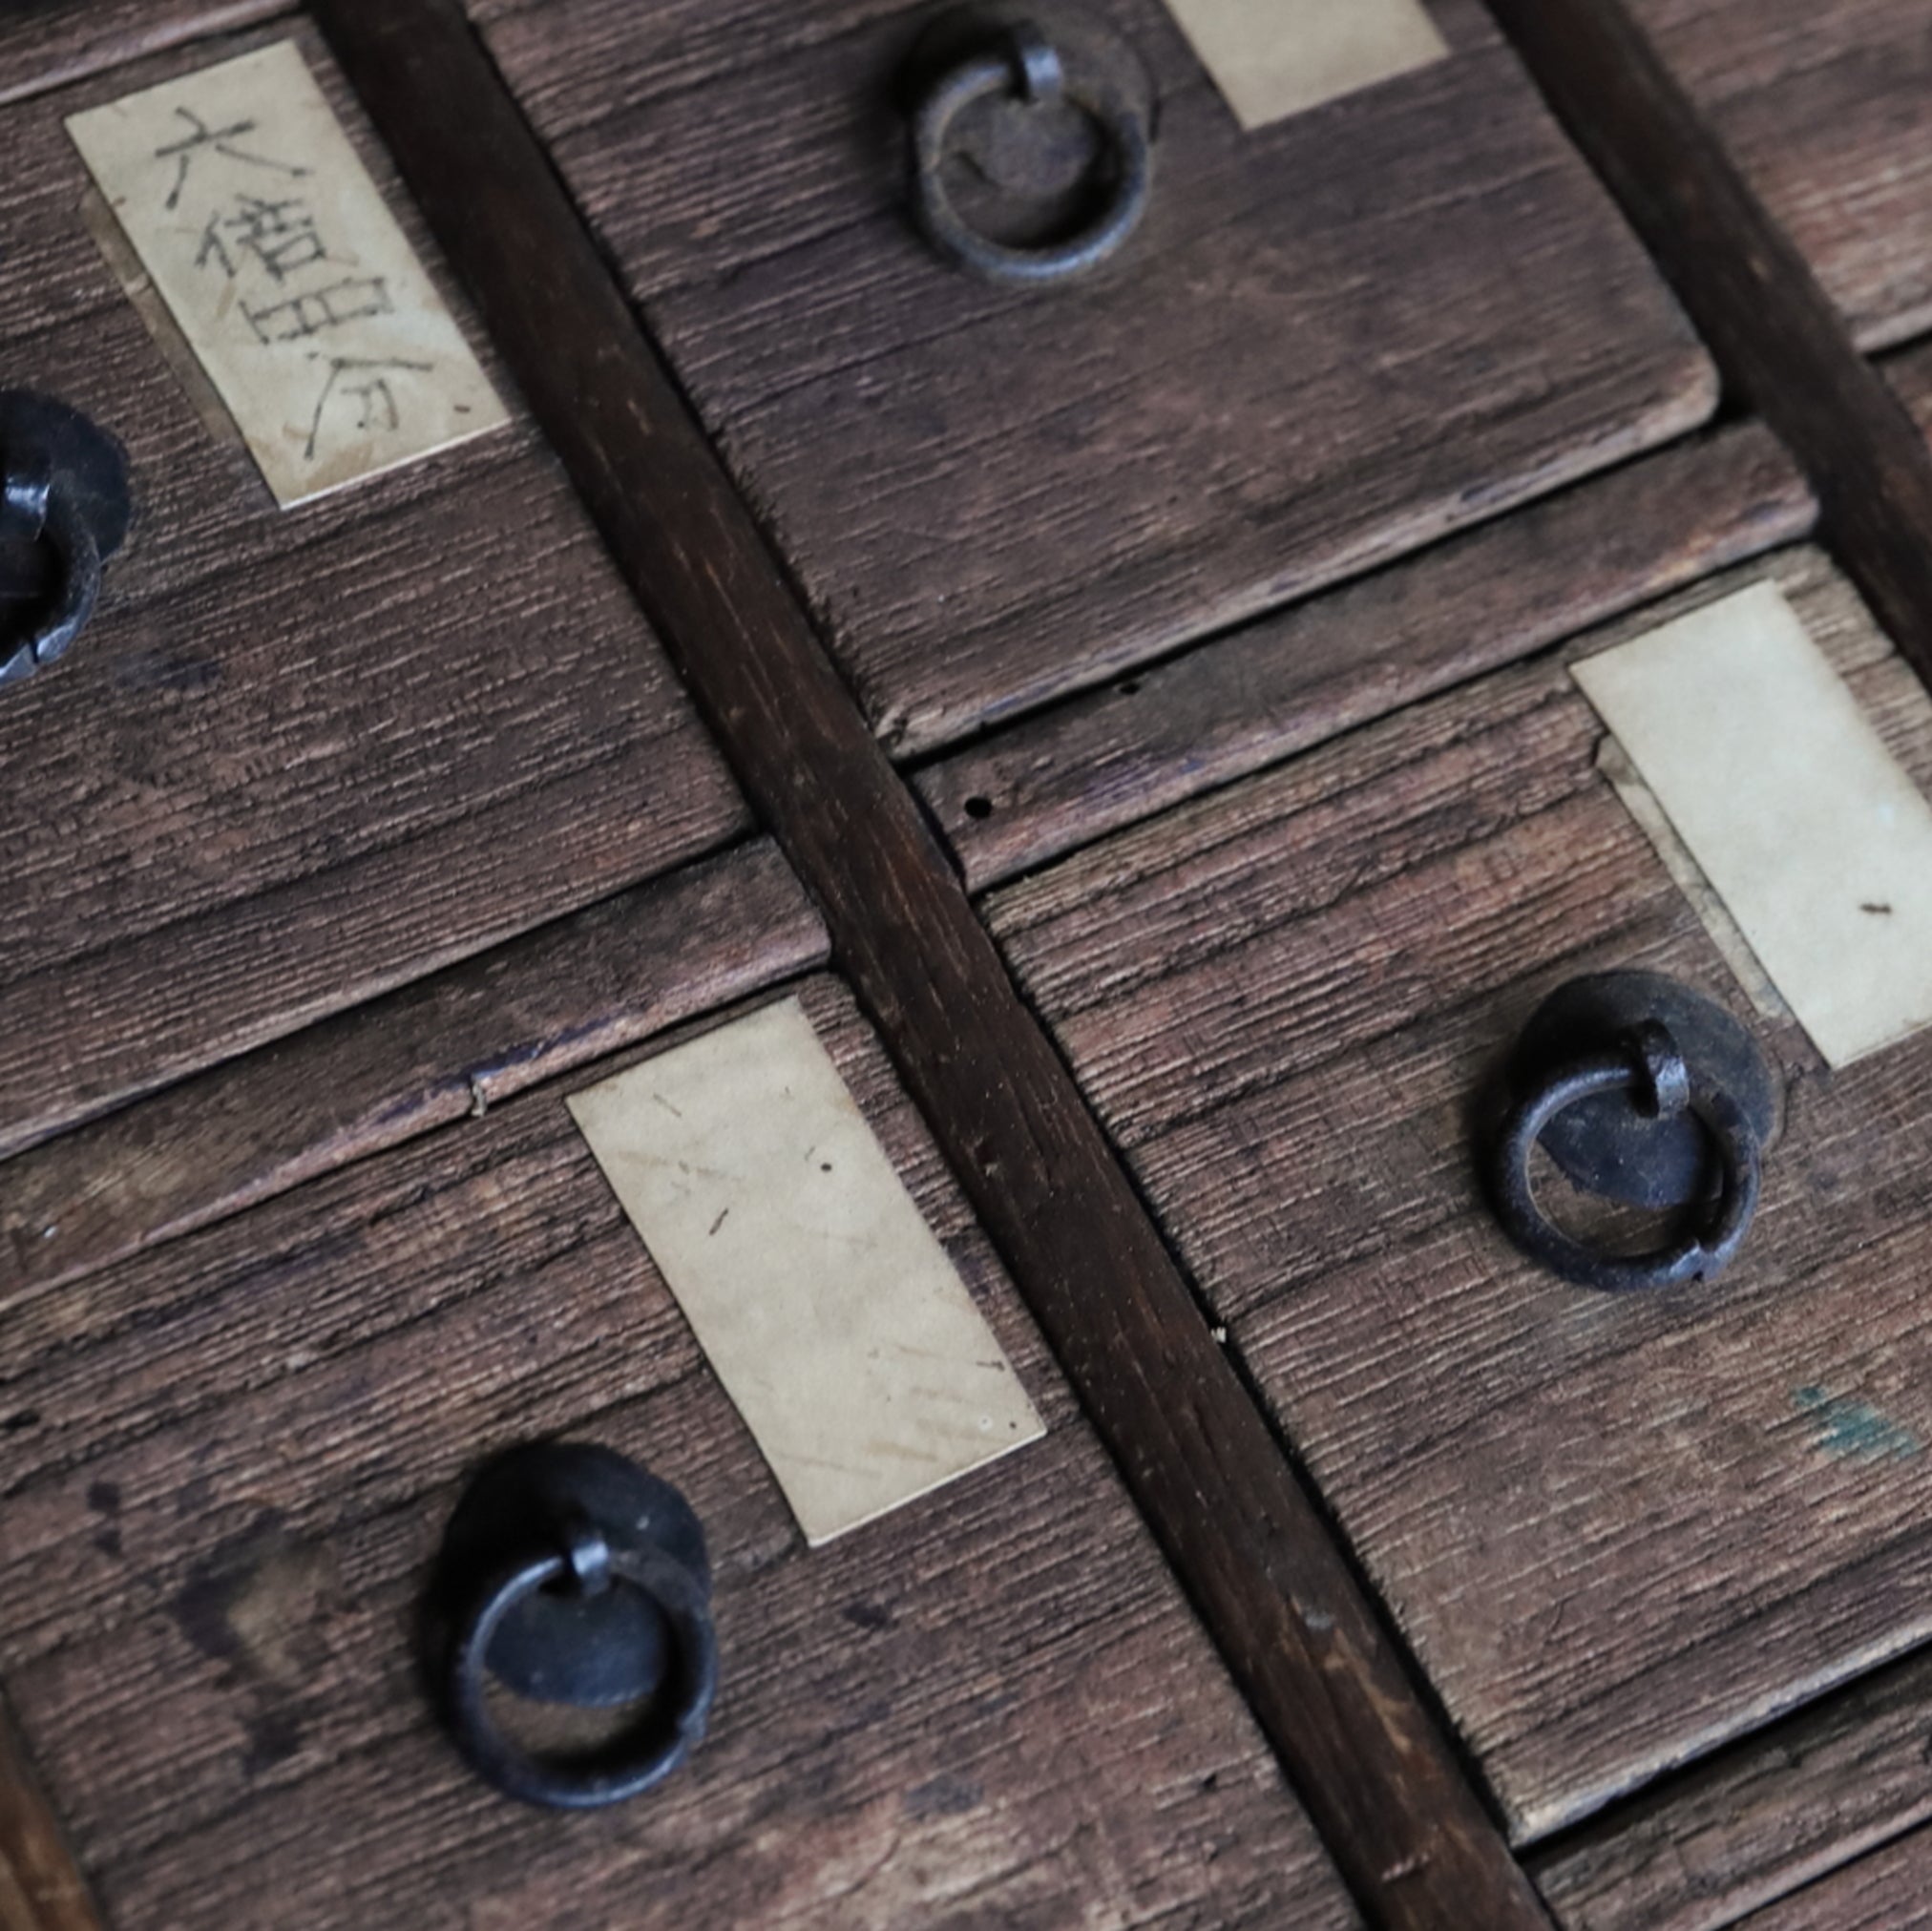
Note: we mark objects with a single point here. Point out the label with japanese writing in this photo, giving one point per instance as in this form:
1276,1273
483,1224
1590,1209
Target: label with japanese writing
822,1299
1271,58
1812,834
298,292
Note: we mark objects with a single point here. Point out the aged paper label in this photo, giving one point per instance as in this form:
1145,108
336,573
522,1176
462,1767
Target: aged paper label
1271,58
1817,844
300,296
822,1299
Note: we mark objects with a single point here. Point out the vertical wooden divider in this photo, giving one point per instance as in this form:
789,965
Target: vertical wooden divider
1379,1776
1779,343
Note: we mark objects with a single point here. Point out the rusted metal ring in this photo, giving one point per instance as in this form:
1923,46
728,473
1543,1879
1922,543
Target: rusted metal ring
34,499
665,1735
1028,67
1650,1066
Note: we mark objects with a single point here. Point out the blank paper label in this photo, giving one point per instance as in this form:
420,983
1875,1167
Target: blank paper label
1271,58
1819,845
829,1309
300,296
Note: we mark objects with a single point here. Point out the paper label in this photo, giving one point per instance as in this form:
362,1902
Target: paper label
1819,845
823,1301
276,256
1271,58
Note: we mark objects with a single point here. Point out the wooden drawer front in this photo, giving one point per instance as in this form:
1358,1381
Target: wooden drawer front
1615,1529
1825,108
46,43
1331,338
299,755
1889,1891
229,1466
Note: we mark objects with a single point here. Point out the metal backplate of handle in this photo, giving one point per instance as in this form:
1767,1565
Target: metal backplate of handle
64,511
571,1577
1031,139
1645,1093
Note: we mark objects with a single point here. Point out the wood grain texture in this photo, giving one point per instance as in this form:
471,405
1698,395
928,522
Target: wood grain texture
301,758
1889,1891
1392,1802
1102,761
1823,109
1332,341
50,43
1615,1531
989,1709
1777,338
40,1890
441,1050
1775,1813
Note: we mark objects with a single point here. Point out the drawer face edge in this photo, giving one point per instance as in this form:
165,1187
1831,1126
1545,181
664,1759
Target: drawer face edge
298,757
1823,109
992,1705
1312,357
1616,1530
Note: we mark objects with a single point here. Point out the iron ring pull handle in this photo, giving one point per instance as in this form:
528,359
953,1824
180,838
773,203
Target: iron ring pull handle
1650,1066
1028,67
64,486
36,501
644,1755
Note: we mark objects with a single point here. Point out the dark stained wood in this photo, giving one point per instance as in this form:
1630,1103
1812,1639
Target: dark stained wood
1776,336
1494,593
1778,1811
49,43
40,1889
1617,1531
1889,1891
440,1050
1390,1799
300,757
1332,341
990,1708
1823,108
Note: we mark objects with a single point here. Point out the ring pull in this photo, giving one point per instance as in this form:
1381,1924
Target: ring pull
1004,53
571,1577
63,490
1642,1092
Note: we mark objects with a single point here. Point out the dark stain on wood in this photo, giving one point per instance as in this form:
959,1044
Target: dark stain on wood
1033,1725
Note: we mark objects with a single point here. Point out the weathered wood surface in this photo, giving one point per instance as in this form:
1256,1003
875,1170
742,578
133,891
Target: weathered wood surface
1889,1891
1783,347
40,1890
47,43
1823,107
1616,1531
1332,341
438,1051
1391,1799
227,1469
298,758
1776,1811
1102,761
